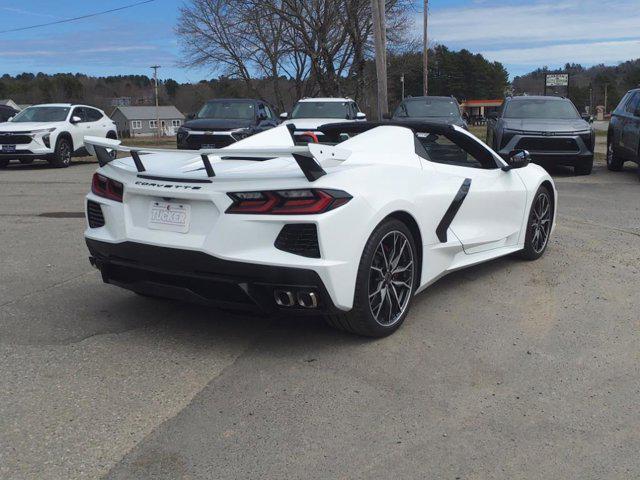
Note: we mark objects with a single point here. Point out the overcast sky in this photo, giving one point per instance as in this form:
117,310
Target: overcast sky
523,35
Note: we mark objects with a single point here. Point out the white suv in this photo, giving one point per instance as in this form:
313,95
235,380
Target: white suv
310,113
54,132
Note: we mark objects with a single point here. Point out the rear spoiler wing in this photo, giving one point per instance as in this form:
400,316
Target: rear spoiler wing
308,157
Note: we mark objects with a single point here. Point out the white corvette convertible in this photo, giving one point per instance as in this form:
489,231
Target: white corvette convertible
350,230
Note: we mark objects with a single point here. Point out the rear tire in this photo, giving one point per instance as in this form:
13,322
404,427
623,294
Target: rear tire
584,168
614,163
539,225
62,155
385,284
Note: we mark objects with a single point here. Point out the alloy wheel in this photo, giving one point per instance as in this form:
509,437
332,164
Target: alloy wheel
391,278
541,222
65,153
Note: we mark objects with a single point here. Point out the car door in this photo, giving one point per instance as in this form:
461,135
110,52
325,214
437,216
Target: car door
629,129
79,129
488,210
97,122
632,133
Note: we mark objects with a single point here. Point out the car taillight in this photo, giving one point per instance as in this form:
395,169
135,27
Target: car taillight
287,202
105,187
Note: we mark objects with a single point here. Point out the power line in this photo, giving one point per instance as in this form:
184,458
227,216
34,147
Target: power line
67,20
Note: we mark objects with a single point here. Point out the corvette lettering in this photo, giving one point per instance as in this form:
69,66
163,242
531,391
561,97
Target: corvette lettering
167,185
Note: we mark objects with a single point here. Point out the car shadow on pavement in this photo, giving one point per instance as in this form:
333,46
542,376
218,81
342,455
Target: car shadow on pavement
180,319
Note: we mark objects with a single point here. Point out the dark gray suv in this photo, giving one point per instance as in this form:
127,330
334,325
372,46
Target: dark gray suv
549,128
623,139
430,109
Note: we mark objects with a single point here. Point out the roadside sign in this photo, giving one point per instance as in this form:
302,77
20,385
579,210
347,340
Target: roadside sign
557,80
557,83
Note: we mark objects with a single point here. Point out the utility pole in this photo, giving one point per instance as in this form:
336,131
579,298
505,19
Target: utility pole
155,79
606,91
380,40
425,48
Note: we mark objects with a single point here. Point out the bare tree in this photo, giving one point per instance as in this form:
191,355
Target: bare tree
321,46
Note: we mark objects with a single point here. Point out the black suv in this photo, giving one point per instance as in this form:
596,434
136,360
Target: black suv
431,109
623,139
220,123
6,112
549,128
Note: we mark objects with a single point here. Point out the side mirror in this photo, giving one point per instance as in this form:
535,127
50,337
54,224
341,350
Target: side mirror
284,115
191,116
75,119
361,116
492,116
587,117
517,159
9,119
386,116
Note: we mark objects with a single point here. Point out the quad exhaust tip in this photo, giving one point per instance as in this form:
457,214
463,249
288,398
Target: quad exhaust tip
288,299
307,299
284,298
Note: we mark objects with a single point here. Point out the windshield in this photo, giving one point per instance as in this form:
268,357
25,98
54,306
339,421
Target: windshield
228,110
428,107
42,114
544,109
320,110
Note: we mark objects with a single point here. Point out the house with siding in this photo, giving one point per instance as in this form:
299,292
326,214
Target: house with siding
133,121
10,103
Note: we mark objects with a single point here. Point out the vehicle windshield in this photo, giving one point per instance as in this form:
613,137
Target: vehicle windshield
544,109
320,110
428,107
228,110
42,114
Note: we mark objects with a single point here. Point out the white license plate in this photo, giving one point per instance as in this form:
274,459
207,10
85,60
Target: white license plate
9,148
171,217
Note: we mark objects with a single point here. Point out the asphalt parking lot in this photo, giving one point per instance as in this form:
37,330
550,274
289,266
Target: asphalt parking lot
507,370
